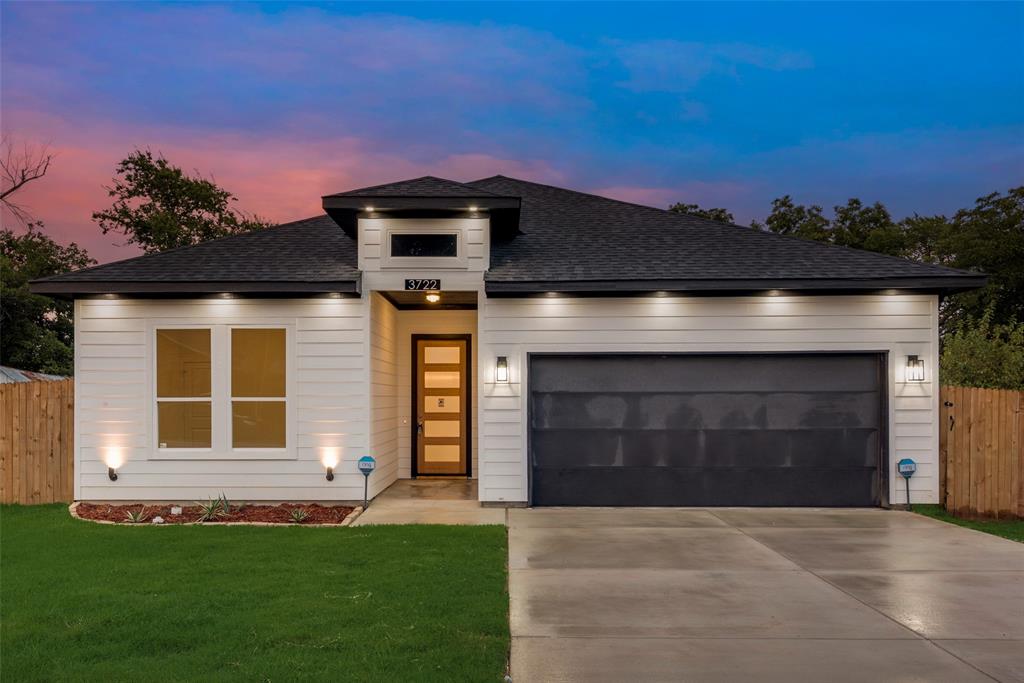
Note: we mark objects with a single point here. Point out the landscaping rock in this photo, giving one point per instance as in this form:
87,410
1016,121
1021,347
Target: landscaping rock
176,510
158,520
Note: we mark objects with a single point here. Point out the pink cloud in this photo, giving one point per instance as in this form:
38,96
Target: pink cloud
707,194
279,179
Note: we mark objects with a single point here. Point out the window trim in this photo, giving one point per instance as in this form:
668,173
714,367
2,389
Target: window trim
220,394
389,261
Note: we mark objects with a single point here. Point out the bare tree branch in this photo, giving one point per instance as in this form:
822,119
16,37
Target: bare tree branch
20,165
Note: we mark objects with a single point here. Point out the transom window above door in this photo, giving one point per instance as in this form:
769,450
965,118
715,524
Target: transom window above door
424,245
221,389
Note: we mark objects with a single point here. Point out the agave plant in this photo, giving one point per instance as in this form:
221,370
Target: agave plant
214,509
299,515
136,516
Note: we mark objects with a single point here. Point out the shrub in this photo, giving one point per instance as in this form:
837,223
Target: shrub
979,353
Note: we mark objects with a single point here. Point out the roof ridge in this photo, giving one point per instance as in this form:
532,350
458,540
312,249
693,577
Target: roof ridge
176,249
358,190
721,224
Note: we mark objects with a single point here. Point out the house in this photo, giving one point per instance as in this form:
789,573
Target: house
560,347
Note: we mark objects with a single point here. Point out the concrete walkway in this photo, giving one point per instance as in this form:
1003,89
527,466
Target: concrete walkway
430,501
766,595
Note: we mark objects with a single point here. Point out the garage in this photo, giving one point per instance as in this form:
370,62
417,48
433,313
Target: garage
707,429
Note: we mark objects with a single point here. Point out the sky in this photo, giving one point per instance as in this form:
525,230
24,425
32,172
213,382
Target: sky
919,105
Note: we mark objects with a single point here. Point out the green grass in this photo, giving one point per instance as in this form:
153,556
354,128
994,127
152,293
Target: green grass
1012,529
90,602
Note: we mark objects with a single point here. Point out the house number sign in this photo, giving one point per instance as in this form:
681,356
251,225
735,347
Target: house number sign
423,284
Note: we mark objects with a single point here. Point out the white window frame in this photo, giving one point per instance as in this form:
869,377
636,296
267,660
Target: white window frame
389,261
220,395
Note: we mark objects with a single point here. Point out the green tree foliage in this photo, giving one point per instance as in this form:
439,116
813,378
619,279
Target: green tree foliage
36,332
717,214
988,237
980,353
158,206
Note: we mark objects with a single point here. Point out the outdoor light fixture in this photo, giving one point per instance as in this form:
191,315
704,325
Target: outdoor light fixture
473,209
501,370
114,457
329,457
369,209
433,298
915,369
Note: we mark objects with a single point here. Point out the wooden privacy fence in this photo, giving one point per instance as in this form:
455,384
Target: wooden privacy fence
981,436
37,421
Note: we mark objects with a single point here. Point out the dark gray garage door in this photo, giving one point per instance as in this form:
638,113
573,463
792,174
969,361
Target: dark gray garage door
647,429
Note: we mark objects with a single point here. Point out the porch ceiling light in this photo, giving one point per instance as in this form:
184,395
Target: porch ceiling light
433,297
915,369
501,370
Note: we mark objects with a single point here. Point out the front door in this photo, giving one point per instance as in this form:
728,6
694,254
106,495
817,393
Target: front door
441,406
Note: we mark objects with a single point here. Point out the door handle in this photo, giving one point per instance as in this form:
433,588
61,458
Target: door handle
419,426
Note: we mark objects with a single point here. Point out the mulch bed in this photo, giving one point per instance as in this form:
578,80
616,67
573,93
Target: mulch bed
274,514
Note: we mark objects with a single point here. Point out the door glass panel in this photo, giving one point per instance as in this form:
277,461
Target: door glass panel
441,453
442,354
183,424
442,428
441,380
441,404
257,424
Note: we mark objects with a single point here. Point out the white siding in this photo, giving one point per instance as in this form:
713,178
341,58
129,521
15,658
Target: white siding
474,243
114,385
897,324
383,393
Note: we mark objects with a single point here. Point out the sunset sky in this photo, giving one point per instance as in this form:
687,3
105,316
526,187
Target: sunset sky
920,106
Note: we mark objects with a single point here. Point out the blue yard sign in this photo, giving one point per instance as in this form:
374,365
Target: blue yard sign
366,464
906,467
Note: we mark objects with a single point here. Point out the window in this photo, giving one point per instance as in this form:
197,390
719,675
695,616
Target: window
222,388
183,388
443,245
257,388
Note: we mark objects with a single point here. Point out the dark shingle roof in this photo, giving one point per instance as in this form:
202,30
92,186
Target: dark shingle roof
427,186
570,241
309,254
575,237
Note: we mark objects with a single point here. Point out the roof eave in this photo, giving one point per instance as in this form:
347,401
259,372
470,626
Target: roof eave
83,288
723,287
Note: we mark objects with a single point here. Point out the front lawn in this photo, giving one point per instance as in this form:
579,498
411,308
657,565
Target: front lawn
84,601
1012,529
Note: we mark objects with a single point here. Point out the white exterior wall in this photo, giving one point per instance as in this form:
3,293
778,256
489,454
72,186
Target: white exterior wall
897,324
328,372
383,393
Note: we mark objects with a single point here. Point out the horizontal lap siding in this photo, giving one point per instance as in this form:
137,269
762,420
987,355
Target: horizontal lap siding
384,392
114,401
897,324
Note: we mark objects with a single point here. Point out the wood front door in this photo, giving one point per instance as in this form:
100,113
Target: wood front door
441,406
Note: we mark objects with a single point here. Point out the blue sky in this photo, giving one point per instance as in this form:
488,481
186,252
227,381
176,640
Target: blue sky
920,106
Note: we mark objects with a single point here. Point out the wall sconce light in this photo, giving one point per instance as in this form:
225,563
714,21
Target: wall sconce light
915,369
501,370
114,457
329,458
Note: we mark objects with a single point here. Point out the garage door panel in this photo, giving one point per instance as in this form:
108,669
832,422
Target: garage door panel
699,448
704,487
658,373
702,440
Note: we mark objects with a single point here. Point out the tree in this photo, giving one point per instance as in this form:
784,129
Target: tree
159,207
36,332
980,353
717,214
788,218
20,164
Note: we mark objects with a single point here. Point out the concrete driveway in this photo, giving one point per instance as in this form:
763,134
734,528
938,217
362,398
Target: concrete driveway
769,595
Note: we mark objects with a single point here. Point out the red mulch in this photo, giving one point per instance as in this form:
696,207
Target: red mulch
278,514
